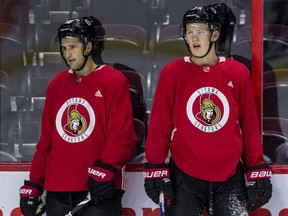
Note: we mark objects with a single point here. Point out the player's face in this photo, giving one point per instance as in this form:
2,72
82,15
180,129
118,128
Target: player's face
72,52
198,38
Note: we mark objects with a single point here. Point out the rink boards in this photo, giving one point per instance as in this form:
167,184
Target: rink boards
135,201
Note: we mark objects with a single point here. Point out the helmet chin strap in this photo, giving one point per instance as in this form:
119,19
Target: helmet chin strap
84,63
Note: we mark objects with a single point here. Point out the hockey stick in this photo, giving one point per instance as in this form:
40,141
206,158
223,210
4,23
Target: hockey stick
41,209
162,203
79,206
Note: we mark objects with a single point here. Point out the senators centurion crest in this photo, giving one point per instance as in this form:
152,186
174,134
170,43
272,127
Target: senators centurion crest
75,120
208,109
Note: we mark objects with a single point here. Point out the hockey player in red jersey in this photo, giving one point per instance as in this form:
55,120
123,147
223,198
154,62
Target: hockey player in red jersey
204,114
87,132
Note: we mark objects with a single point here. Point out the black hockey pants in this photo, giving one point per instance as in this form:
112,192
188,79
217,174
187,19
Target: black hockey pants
60,203
192,195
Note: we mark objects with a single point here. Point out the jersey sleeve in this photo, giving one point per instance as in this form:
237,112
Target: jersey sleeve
161,121
43,147
249,124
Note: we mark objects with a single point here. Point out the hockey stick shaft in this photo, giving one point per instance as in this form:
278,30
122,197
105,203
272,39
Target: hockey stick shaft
79,206
162,203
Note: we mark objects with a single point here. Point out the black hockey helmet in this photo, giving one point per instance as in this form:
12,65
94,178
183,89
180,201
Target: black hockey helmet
86,28
79,27
201,14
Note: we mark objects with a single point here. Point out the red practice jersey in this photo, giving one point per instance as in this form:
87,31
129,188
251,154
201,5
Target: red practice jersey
206,117
84,120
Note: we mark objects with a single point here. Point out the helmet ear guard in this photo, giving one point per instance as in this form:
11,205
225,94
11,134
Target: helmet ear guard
228,28
99,35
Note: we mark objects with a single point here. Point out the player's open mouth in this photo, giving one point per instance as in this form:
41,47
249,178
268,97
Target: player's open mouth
71,61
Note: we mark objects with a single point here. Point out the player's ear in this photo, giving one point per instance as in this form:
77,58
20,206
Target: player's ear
215,36
88,47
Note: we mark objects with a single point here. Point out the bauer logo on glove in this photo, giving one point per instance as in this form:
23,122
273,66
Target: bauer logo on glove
100,175
259,174
156,173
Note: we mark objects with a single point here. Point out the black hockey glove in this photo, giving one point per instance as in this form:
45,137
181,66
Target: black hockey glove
100,182
259,187
30,200
157,179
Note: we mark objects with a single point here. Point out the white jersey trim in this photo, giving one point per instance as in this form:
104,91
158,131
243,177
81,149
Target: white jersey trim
187,59
222,59
98,68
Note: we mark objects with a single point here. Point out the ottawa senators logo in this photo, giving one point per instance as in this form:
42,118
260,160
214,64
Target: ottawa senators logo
209,113
208,109
75,120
